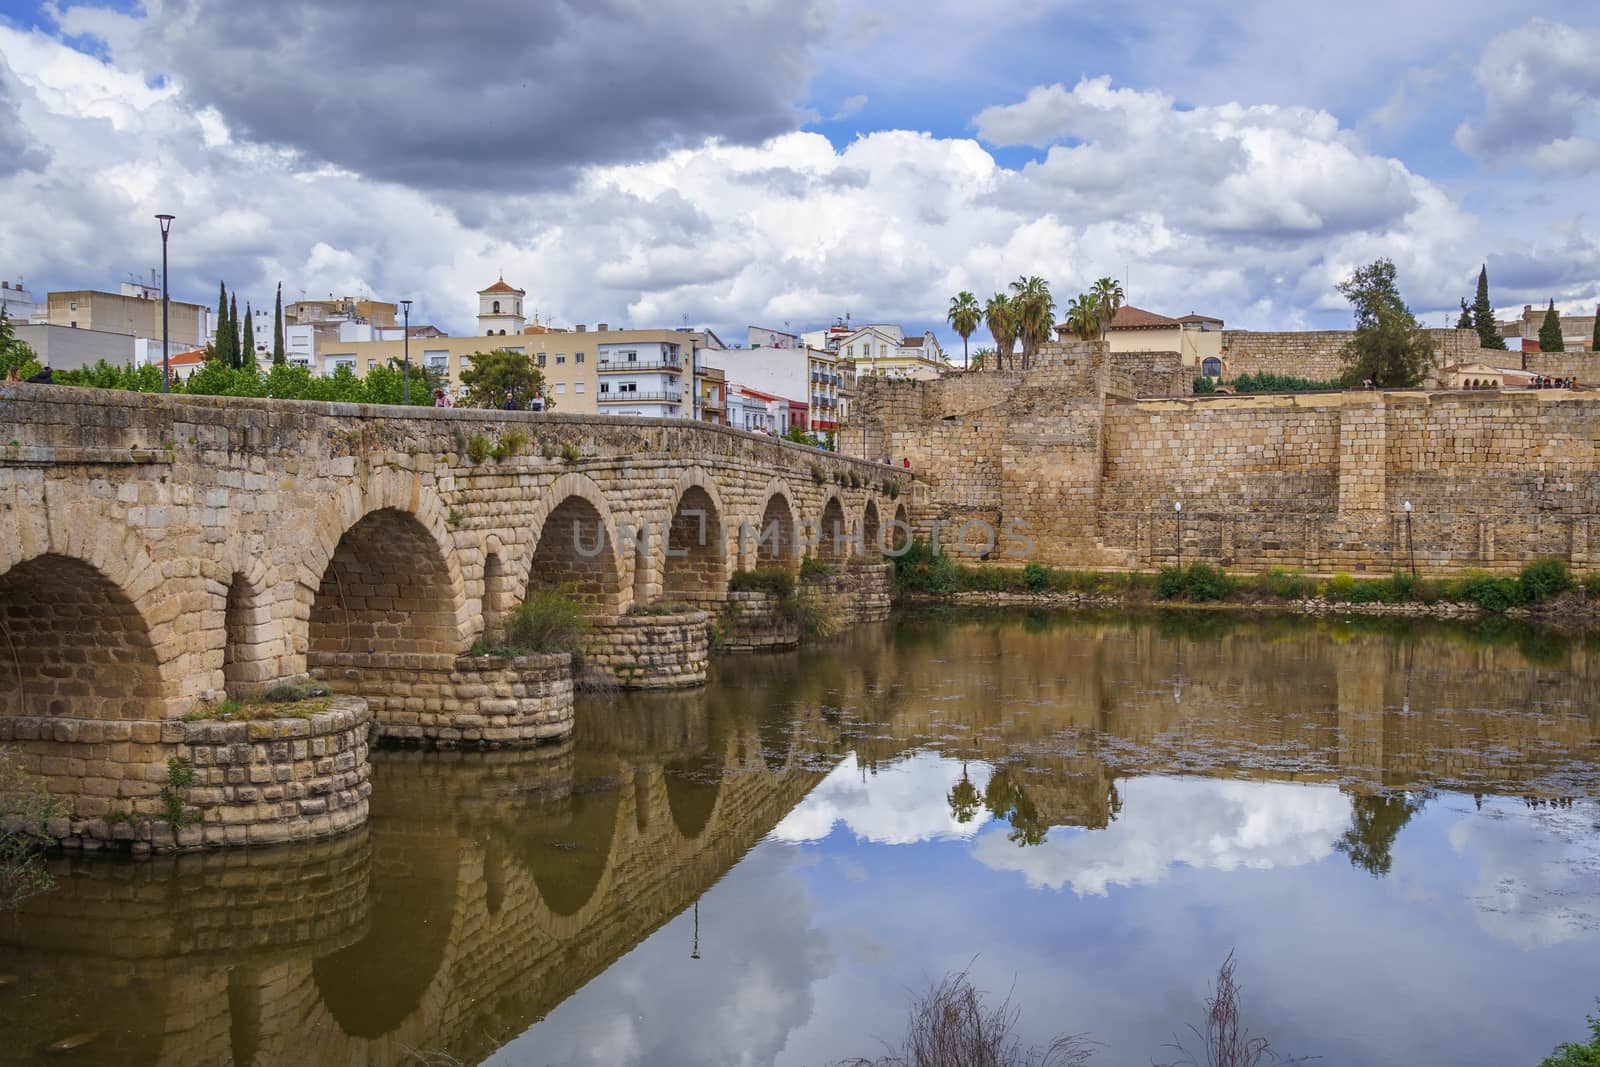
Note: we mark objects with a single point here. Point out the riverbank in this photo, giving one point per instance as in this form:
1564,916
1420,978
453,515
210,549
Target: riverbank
1545,591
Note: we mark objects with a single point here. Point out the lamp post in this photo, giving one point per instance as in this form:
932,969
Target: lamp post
1177,509
1411,551
166,367
406,348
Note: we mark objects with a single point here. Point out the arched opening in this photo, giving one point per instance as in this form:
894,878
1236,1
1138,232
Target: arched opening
694,571
565,843
242,669
900,537
575,555
871,532
73,645
497,307
386,591
1211,367
775,540
832,535
497,592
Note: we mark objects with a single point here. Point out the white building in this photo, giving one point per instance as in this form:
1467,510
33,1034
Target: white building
883,348
500,309
751,409
781,364
647,378
18,304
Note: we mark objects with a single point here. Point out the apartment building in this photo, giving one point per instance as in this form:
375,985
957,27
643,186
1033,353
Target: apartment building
882,348
780,363
135,311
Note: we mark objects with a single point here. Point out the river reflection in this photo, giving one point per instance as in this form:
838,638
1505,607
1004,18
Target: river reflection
1394,827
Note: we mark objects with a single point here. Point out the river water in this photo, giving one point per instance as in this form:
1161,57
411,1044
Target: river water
1394,828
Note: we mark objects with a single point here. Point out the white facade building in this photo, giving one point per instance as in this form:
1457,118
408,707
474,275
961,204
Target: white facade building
500,309
18,304
644,378
791,370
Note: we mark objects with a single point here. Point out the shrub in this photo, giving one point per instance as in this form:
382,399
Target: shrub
478,448
811,567
1491,593
920,570
661,607
548,621
512,442
1267,382
180,776
1567,1054
1204,386
1197,582
1543,579
290,694
26,804
1288,585
1341,587
774,581
1036,577
570,453
817,474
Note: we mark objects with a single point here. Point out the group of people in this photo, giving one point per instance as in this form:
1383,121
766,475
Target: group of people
443,399
1544,381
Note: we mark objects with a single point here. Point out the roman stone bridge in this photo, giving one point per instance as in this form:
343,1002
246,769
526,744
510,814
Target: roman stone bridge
158,553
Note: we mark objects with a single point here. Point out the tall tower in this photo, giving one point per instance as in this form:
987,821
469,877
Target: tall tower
500,309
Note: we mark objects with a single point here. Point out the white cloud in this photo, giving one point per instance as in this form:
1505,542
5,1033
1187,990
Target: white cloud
1537,870
902,803
1207,823
1541,85
850,106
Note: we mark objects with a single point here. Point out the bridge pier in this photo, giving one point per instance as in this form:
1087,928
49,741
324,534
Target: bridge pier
648,651
450,701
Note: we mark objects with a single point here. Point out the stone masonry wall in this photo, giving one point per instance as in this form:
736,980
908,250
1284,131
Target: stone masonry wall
752,622
649,651
1584,366
1314,354
260,782
450,701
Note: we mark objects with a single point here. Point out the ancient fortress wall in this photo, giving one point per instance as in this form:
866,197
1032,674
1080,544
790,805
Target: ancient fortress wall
1314,354
1312,481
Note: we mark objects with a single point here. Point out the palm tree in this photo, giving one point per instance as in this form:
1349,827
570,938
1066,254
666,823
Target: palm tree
982,358
1035,314
1000,317
1107,293
1083,316
964,317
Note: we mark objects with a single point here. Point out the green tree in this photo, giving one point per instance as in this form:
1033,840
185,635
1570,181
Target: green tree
15,355
1375,822
247,356
488,376
1389,348
103,375
1465,321
1550,331
1035,314
387,384
963,798
1594,345
1483,314
1083,316
1108,298
1006,799
279,357
963,317
983,357
1000,317
25,806
235,345
220,349
1568,1054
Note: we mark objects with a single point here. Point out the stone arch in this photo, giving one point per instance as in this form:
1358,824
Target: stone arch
575,546
871,531
777,543
389,587
901,536
833,532
499,589
694,566
75,645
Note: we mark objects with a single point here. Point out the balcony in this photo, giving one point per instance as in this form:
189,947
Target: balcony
626,367
638,398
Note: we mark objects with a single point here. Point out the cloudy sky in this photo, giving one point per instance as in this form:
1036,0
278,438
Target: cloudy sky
726,162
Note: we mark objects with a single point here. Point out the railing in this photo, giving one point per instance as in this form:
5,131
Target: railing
638,398
624,367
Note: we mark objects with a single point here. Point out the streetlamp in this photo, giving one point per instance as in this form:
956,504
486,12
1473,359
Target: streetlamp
406,343
1411,551
1177,509
166,367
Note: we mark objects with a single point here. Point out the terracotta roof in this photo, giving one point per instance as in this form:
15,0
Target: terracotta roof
1129,317
912,342
185,359
1192,317
501,287
758,394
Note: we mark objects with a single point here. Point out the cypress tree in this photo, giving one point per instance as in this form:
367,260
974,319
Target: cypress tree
1483,314
278,355
219,347
1594,346
235,350
248,355
1550,332
1465,321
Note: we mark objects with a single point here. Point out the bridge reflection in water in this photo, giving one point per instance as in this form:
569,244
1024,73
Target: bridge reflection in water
489,887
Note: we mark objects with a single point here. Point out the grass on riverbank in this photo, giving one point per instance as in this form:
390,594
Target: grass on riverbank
920,570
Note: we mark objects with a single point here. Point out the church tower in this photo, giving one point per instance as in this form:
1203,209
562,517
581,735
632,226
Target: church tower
500,309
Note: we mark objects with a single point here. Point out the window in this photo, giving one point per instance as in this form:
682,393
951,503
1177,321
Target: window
372,364
436,359
497,307
541,359
631,357
511,348
628,387
577,357
578,388
605,387
561,357
561,388
1211,367
72,305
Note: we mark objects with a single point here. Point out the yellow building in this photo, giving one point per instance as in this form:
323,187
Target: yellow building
711,395
1196,338
138,314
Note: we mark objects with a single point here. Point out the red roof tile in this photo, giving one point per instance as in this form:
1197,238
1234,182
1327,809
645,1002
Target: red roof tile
501,287
1129,317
